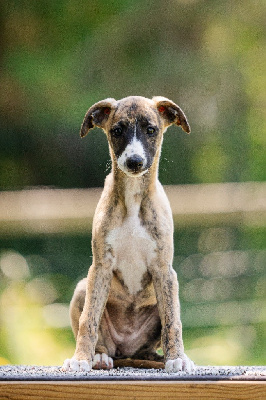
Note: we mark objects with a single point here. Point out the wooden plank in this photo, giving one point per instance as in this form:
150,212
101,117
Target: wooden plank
49,211
132,390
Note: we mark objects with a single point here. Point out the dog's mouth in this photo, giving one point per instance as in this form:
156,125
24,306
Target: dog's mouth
134,166
135,174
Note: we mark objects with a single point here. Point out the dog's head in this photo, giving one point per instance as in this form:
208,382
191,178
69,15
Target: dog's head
134,127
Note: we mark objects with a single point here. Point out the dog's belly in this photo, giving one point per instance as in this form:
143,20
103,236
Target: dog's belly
131,329
132,251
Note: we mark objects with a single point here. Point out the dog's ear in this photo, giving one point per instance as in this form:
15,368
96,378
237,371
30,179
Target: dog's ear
171,113
97,115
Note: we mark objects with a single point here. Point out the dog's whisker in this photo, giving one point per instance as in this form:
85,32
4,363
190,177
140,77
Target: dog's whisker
108,165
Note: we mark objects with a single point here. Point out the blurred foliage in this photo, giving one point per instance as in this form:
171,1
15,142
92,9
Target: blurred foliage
57,59
222,292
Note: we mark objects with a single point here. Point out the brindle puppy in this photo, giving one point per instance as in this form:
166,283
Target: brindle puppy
129,302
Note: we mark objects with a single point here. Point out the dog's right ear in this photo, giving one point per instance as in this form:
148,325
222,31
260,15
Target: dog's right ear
97,115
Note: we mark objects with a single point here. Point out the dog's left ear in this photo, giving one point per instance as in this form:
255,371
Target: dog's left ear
97,115
171,113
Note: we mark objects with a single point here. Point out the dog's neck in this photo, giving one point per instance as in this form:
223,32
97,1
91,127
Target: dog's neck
132,190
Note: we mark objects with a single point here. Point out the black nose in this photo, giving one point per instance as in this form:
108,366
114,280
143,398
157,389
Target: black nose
134,163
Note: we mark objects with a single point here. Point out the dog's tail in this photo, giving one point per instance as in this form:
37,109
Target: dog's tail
147,364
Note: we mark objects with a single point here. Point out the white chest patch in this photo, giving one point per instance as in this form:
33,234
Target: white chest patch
133,250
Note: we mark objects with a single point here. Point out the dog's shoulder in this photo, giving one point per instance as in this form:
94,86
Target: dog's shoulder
108,211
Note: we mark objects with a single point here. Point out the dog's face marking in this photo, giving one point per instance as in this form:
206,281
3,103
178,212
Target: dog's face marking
134,135
134,127
133,160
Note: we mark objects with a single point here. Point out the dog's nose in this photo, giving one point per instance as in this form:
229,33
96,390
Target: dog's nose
134,163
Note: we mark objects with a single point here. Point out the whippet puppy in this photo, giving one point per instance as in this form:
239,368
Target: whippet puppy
129,304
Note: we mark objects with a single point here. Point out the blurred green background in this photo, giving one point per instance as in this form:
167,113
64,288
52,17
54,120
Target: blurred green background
57,59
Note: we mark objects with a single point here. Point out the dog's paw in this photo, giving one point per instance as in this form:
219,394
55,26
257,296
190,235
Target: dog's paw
180,364
76,365
102,361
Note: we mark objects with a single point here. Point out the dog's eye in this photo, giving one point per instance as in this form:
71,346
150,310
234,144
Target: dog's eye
117,131
150,130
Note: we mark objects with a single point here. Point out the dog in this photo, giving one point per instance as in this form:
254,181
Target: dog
129,303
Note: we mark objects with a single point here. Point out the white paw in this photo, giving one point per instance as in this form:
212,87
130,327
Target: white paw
76,365
180,364
102,361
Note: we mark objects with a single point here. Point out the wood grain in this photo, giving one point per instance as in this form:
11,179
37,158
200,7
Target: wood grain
132,390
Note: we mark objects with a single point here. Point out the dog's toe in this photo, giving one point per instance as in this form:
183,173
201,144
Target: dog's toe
76,365
174,365
66,365
180,364
102,361
188,365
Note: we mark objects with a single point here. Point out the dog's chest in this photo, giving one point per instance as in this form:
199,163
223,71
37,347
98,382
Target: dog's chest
133,250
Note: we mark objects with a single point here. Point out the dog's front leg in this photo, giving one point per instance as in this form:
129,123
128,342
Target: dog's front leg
166,288
98,286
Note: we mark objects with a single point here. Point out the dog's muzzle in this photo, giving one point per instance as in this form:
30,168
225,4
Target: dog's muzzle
134,164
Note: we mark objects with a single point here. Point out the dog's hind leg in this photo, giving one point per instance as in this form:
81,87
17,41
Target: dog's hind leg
97,289
101,359
77,304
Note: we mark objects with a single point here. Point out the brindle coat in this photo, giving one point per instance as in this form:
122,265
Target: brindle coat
129,302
